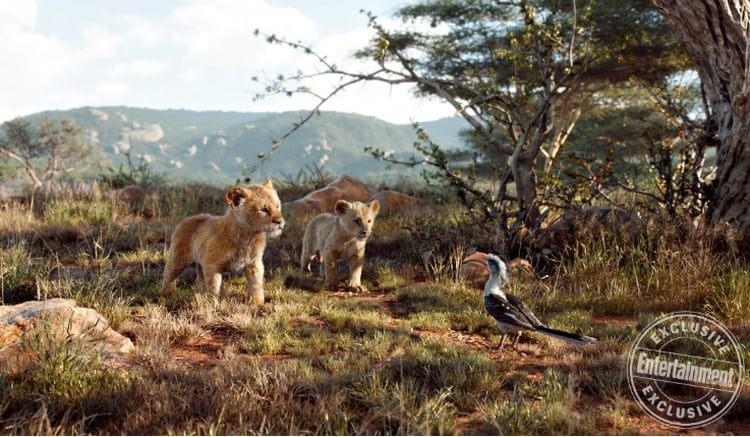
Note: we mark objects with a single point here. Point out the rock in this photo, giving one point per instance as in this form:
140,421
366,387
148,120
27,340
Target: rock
132,196
344,187
392,202
521,269
56,324
475,272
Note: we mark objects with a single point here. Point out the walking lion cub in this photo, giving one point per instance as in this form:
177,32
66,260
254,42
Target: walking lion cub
234,241
332,238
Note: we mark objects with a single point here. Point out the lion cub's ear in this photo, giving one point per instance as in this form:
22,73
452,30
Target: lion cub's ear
341,207
268,183
236,196
374,206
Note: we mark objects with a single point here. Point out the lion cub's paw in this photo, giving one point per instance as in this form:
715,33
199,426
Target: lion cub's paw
353,288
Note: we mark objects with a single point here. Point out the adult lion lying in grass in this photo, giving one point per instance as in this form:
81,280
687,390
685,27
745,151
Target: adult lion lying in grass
332,238
234,241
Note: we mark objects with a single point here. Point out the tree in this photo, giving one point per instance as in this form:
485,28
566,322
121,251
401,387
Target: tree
716,35
43,151
519,72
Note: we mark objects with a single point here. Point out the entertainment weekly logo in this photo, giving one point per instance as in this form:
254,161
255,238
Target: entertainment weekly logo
685,369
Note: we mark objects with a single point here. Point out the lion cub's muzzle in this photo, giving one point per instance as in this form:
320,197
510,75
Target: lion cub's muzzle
363,235
276,228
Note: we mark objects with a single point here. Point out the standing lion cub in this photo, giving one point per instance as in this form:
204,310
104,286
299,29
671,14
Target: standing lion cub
332,238
234,241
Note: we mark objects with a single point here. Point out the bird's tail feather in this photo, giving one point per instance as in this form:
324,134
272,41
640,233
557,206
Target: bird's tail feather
577,339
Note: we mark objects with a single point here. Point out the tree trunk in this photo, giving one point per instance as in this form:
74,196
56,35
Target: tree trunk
523,169
715,35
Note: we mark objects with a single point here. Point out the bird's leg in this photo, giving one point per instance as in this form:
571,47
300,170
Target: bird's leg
502,340
515,340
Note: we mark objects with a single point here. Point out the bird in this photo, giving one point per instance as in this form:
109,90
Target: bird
511,314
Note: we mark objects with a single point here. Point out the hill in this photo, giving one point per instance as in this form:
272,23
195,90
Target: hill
215,146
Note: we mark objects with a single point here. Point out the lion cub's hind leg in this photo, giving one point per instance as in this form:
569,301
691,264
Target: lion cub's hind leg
211,282
307,251
173,269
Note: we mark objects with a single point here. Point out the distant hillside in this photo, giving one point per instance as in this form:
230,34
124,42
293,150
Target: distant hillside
214,146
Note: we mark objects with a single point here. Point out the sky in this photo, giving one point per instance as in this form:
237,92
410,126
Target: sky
186,54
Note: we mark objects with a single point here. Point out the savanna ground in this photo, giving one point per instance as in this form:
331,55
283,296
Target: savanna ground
413,355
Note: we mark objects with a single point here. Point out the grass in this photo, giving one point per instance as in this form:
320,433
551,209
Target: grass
413,356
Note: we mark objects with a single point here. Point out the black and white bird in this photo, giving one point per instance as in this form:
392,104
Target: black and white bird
510,312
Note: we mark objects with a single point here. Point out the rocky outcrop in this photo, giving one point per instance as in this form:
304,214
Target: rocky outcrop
351,189
475,272
132,196
344,187
392,202
33,328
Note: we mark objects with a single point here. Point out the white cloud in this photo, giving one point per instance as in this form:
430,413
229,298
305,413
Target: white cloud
220,33
137,69
143,31
101,42
135,57
18,14
192,75
112,89
34,66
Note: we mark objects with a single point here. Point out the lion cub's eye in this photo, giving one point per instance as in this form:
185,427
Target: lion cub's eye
358,221
265,210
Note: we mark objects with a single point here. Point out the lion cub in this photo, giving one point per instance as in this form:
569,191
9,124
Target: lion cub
234,241
332,238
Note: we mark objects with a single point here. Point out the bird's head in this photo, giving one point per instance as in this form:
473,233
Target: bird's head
498,270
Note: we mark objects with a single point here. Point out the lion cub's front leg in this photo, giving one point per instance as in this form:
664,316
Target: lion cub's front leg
254,274
355,268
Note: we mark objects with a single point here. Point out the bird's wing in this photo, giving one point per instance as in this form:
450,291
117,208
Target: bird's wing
506,313
523,309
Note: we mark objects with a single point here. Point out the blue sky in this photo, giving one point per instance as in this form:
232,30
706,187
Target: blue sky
190,54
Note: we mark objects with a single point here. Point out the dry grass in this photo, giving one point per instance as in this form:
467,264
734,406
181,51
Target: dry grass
415,355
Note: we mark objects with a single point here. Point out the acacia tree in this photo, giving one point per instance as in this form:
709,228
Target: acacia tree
716,34
43,151
519,72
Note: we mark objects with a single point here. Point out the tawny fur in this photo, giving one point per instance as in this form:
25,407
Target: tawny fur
330,238
234,241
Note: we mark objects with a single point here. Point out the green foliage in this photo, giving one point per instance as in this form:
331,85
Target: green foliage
540,408
61,388
507,61
19,272
62,212
521,74
131,173
731,299
44,148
